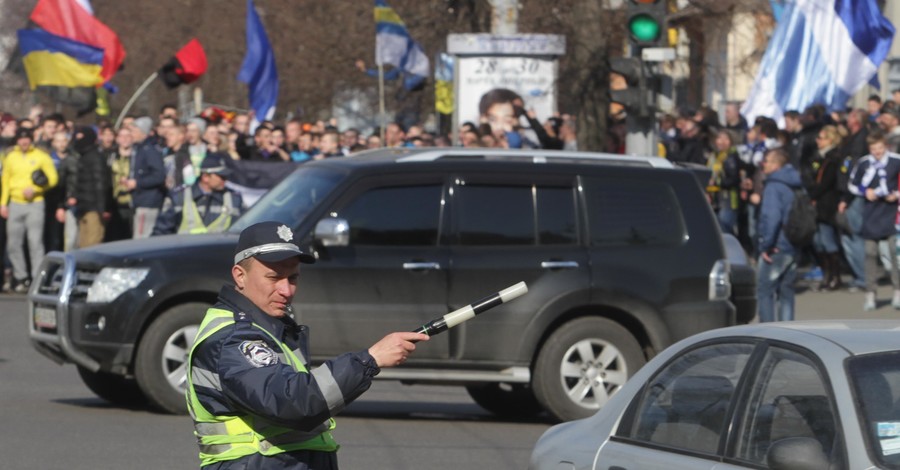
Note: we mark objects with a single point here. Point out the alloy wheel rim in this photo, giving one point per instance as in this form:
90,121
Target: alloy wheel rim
175,355
591,371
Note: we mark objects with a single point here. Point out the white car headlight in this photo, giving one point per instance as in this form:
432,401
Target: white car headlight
112,282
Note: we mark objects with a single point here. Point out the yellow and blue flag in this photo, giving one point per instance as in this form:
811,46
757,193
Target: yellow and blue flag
52,60
394,46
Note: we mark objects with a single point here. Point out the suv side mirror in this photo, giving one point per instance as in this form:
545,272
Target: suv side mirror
333,232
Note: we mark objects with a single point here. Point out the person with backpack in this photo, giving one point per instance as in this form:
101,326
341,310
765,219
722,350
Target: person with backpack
874,178
777,265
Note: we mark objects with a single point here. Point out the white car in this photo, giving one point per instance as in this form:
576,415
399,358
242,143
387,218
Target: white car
790,395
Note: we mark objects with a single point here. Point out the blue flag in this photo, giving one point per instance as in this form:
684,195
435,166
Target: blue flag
822,52
394,46
258,70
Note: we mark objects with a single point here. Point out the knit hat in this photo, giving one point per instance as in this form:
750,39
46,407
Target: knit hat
144,123
199,122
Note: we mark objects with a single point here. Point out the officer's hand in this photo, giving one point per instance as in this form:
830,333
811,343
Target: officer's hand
394,348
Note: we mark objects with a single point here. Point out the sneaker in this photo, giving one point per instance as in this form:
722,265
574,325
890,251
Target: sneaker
870,302
814,274
896,302
21,287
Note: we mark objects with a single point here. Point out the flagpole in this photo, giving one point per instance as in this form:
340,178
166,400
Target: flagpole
134,97
381,103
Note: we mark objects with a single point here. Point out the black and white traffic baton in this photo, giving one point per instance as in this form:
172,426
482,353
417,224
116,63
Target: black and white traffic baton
468,312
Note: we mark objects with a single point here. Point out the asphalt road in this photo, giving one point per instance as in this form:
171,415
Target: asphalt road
52,421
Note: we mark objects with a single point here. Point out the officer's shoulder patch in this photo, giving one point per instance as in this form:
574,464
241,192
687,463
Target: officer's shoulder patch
258,353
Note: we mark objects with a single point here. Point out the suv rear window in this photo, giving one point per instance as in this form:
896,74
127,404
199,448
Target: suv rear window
633,212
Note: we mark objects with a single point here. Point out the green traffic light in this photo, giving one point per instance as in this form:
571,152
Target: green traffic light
643,28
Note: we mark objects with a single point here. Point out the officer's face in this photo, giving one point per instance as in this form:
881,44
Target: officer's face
270,286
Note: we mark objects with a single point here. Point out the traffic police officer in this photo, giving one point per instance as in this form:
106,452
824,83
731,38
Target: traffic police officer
253,399
207,206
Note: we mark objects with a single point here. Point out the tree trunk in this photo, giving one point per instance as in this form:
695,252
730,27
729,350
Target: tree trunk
589,67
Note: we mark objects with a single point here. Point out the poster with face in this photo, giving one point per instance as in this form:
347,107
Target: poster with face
489,85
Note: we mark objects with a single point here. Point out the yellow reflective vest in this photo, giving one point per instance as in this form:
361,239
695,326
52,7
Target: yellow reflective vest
223,438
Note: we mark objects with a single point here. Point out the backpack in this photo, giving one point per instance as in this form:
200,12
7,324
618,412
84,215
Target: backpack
801,225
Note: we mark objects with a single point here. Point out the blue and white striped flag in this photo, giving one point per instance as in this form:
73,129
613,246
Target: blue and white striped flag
394,46
822,52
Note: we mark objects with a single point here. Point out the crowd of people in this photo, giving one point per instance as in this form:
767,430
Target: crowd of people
65,186
846,162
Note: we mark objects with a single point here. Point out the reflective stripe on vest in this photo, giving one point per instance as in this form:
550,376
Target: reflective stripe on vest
192,222
223,438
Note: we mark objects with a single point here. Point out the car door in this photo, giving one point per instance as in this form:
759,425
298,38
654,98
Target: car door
789,397
391,275
509,228
680,418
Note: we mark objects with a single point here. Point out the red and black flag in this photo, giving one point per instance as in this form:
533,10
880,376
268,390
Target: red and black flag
186,66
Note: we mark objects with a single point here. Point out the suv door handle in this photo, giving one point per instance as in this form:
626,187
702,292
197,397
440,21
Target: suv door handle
559,264
421,266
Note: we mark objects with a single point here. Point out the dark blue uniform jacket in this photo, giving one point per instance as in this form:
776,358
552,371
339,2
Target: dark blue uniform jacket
276,392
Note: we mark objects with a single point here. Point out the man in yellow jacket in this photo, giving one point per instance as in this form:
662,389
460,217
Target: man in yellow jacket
27,173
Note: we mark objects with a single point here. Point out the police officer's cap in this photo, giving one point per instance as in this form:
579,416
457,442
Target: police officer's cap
270,242
214,163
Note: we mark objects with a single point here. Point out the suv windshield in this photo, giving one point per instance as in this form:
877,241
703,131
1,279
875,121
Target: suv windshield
291,199
876,382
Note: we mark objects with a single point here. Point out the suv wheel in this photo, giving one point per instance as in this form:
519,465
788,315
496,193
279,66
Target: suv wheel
162,356
506,400
113,388
582,364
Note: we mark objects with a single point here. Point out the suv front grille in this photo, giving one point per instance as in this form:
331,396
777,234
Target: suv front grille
51,278
84,278
52,281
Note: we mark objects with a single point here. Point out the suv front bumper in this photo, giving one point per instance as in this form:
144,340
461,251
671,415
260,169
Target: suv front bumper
65,328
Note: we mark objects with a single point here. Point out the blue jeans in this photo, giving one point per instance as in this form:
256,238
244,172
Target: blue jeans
825,240
854,246
776,279
752,216
727,219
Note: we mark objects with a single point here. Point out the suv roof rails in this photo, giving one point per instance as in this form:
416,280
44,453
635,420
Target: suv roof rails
534,155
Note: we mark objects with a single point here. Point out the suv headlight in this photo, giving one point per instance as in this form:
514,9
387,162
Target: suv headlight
112,282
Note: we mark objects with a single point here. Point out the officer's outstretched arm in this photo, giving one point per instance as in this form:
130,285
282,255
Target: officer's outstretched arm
394,348
273,390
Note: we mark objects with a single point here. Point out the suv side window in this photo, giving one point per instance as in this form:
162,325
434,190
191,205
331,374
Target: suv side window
515,215
633,212
402,215
686,405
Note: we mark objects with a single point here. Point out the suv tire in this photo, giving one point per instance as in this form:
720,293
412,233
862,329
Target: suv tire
506,400
162,355
113,388
579,352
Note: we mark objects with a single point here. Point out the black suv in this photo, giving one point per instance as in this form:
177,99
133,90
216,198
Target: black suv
622,256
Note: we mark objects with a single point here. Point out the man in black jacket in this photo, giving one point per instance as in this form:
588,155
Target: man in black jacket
147,177
92,192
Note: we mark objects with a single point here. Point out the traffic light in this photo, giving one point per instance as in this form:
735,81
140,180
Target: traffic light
646,22
628,86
